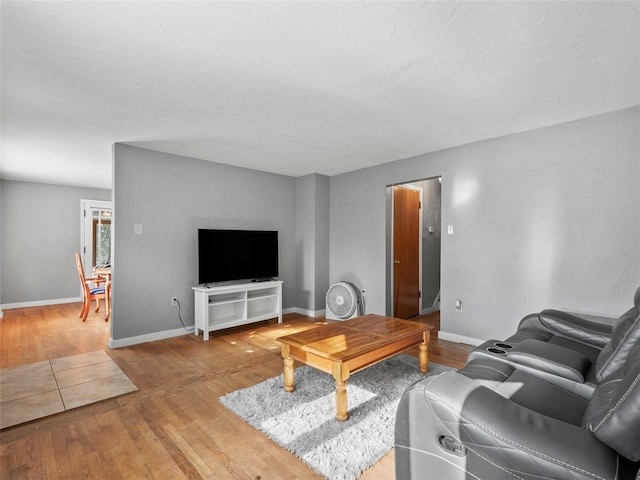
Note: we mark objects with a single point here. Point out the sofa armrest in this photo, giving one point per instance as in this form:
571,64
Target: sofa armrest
518,440
550,358
578,328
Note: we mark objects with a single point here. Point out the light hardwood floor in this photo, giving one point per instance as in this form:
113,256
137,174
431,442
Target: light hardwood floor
174,426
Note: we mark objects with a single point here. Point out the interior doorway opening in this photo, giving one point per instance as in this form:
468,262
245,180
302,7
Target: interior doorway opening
95,234
427,226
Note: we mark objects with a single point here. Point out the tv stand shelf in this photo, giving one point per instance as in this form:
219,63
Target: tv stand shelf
226,306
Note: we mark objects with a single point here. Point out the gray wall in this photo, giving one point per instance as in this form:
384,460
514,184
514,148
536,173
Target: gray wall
172,197
40,234
431,216
1,243
323,192
312,241
546,218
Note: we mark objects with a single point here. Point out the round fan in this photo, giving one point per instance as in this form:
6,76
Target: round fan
342,301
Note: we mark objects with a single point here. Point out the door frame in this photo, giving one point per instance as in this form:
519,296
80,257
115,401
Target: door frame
389,243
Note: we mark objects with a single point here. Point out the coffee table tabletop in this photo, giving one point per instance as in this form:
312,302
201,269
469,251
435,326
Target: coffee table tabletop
343,348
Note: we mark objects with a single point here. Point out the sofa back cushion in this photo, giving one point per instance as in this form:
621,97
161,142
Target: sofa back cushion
625,334
613,413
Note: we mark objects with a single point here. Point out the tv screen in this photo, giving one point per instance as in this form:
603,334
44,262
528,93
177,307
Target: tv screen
225,255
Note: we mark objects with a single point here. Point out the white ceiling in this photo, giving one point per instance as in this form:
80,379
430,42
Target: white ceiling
298,87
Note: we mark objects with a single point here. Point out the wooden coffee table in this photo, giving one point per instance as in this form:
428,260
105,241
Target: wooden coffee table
343,348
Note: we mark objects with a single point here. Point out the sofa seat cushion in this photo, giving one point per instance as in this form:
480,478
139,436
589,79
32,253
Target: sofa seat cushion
550,358
553,363
590,352
527,390
530,334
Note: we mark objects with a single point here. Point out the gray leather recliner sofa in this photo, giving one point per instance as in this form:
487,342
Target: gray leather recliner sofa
490,420
566,349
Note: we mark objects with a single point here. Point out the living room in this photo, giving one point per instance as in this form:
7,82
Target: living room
520,244
539,185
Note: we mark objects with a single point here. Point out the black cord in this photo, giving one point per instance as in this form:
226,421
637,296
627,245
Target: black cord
188,329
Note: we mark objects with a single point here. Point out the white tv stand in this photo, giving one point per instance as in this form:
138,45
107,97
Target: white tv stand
227,306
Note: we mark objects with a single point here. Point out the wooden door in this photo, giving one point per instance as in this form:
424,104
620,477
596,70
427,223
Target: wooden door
406,252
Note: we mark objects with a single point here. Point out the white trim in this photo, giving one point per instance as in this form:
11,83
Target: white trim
308,313
430,310
149,337
40,303
454,337
435,307
152,337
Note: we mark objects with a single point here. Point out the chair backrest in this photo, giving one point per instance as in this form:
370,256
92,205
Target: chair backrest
613,413
625,335
80,270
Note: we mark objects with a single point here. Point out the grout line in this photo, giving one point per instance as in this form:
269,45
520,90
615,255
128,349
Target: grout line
4,402
57,386
121,373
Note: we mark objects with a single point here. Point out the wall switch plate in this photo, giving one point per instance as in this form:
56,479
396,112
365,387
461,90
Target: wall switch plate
450,229
137,229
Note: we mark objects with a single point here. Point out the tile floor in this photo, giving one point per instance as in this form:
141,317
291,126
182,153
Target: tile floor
40,389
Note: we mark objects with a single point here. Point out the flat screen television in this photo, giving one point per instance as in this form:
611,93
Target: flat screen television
227,255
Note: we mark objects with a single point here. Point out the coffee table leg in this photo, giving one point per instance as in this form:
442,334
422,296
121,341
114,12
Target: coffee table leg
288,374
341,376
288,369
423,356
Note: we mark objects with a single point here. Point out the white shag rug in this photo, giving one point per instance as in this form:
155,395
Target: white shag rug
304,420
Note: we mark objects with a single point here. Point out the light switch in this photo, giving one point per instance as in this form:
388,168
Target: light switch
450,229
137,229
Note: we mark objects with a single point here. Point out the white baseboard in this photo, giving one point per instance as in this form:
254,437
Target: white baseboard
454,337
426,311
152,337
149,337
40,303
308,313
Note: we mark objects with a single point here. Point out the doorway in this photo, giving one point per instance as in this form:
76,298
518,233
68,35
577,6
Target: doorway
413,281
95,234
407,220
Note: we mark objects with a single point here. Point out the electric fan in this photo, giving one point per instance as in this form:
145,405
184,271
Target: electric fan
343,301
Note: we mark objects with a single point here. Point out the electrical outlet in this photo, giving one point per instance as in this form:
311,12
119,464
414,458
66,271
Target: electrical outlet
174,301
459,305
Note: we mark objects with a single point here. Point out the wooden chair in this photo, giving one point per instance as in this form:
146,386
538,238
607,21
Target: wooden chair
89,293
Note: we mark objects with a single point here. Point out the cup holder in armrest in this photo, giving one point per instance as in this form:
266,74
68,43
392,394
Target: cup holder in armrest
503,345
497,351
